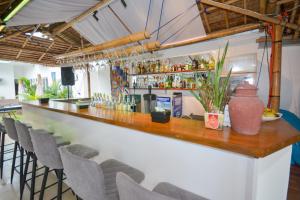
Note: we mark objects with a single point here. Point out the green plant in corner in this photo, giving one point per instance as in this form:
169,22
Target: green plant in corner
212,90
29,93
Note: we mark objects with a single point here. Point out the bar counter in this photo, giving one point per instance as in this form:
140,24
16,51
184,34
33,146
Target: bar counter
272,137
218,165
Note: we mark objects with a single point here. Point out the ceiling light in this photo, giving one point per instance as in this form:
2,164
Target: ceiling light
39,35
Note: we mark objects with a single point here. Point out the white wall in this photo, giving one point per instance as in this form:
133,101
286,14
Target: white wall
100,82
9,71
7,85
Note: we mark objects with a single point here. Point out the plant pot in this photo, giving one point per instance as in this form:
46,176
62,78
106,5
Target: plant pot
214,120
246,110
44,100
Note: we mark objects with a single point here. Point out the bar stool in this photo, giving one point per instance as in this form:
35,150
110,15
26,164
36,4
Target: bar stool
11,131
46,150
2,143
26,145
130,190
91,181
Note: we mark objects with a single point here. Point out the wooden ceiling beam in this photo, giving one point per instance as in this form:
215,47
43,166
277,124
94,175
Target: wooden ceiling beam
245,7
283,2
4,2
214,35
211,9
262,6
15,48
15,34
201,7
23,46
296,35
226,16
107,45
294,12
80,17
250,13
48,49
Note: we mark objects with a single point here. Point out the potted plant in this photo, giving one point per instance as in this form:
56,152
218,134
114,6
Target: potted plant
212,93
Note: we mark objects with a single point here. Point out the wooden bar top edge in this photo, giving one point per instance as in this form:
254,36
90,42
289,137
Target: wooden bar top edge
272,137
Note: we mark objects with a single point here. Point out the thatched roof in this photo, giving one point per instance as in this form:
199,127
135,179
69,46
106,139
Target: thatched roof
15,45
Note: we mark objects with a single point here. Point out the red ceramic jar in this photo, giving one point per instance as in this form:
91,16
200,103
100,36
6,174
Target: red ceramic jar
246,110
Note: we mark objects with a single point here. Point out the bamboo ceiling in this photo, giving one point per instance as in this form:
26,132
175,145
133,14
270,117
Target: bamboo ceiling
15,45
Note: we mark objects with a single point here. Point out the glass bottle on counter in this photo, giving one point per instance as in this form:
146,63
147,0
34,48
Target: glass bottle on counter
133,104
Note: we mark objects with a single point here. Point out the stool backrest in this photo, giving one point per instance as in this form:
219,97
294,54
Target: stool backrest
84,176
45,148
24,136
2,128
130,190
9,124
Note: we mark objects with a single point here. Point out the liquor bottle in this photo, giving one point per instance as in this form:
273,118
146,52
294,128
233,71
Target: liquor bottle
133,104
124,106
128,104
157,66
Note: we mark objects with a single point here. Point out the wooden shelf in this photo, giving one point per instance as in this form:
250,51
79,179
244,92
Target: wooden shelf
163,89
177,72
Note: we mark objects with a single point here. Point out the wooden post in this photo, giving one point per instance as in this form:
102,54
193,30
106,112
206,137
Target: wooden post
276,80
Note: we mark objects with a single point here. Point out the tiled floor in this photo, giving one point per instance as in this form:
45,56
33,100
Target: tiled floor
11,191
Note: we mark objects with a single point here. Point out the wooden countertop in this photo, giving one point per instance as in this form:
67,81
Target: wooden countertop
273,135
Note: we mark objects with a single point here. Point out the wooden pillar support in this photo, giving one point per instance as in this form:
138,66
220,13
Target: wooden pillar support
276,80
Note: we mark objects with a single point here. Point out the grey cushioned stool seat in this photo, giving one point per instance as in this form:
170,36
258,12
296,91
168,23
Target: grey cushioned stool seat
82,151
110,169
175,192
92,181
130,190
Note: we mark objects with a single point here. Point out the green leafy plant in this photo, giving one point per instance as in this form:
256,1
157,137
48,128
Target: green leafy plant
55,91
212,90
30,89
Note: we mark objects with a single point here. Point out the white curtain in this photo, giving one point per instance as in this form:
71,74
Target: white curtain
108,27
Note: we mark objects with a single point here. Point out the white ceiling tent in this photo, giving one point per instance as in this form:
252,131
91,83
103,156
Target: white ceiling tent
118,20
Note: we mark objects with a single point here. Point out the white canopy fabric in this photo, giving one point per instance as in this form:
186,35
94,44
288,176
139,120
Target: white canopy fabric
109,27
50,11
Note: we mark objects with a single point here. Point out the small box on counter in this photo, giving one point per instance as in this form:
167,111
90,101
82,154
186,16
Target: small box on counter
161,117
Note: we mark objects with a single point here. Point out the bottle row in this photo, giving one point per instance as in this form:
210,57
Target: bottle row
159,66
173,81
123,103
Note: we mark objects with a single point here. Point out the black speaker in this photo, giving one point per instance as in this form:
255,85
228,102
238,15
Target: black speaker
67,76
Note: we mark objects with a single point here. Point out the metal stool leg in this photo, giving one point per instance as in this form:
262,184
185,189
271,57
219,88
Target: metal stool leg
44,183
13,162
2,154
21,168
59,185
24,176
32,188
